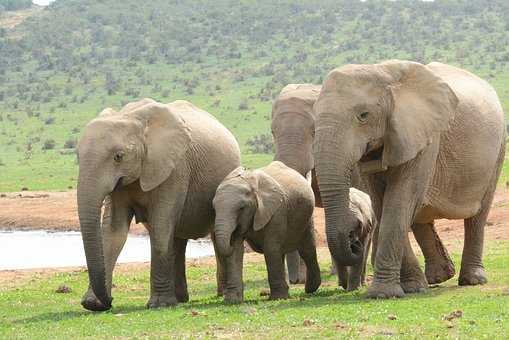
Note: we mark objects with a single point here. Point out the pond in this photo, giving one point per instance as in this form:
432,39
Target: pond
43,249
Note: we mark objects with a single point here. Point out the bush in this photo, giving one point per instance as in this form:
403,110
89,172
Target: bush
70,143
261,144
243,105
49,144
50,120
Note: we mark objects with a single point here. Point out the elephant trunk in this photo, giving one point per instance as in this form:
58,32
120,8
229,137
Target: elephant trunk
223,233
334,169
89,212
292,153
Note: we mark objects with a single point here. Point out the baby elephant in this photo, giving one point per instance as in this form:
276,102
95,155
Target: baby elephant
363,223
271,208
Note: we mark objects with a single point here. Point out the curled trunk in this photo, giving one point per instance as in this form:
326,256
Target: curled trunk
334,170
223,233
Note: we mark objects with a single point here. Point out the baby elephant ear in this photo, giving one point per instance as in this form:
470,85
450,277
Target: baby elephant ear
423,106
269,197
235,173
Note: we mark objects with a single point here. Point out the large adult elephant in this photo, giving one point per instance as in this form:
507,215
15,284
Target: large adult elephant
431,138
161,163
293,129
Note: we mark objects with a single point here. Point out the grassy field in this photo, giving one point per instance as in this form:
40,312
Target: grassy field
33,310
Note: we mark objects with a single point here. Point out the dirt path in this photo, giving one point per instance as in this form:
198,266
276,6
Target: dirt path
28,210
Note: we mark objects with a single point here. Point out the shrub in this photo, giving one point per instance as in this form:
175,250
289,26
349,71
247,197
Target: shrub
261,144
70,143
49,144
50,120
243,105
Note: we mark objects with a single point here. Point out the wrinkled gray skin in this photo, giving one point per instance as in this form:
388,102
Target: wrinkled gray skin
271,208
431,140
161,163
293,129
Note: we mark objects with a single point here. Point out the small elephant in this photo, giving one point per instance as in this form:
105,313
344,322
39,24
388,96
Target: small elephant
362,225
272,209
430,141
159,163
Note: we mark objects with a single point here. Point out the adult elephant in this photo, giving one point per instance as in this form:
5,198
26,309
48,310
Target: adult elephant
293,129
161,163
432,139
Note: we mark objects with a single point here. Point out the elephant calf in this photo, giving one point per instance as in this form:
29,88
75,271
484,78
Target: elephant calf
362,225
272,209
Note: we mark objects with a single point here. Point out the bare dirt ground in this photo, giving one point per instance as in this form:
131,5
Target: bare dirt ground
57,211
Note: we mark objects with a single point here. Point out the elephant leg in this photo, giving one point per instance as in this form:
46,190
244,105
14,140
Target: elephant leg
472,269
229,273
342,272
180,268
293,263
115,226
307,251
403,195
412,278
438,265
162,264
274,261
357,273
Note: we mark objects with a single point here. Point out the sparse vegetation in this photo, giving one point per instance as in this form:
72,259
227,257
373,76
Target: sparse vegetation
61,66
261,144
32,309
49,144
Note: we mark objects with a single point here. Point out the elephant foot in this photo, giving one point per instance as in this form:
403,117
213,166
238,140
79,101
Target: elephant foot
353,286
472,277
414,286
233,298
278,295
439,272
312,284
182,296
160,301
379,290
92,303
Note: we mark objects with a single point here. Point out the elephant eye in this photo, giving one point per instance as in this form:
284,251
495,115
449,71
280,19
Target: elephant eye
363,116
118,156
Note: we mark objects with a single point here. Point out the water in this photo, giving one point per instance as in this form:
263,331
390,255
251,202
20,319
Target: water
42,249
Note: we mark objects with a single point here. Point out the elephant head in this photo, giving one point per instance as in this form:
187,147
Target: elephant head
378,117
143,142
293,126
245,201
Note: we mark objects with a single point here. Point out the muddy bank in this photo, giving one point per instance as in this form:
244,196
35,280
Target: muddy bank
30,210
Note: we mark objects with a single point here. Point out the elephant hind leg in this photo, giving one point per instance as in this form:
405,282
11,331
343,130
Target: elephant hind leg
180,268
472,270
438,265
307,251
296,268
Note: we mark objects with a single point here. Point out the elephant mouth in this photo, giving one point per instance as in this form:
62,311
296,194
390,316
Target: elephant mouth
119,184
356,245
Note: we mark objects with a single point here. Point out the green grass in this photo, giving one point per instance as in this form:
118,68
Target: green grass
33,310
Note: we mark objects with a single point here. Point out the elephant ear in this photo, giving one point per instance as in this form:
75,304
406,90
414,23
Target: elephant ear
167,139
269,197
423,106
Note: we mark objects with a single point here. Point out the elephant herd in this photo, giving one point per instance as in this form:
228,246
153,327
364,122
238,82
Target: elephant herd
384,148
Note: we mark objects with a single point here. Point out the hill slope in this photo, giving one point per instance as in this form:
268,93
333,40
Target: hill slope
58,69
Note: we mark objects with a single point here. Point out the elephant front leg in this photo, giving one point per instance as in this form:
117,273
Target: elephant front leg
357,273
274,261
403,194
232,267
162,265
180,267
115,226
438,265
411,277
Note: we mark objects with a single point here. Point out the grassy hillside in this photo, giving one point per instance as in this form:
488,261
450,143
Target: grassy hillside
62,66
